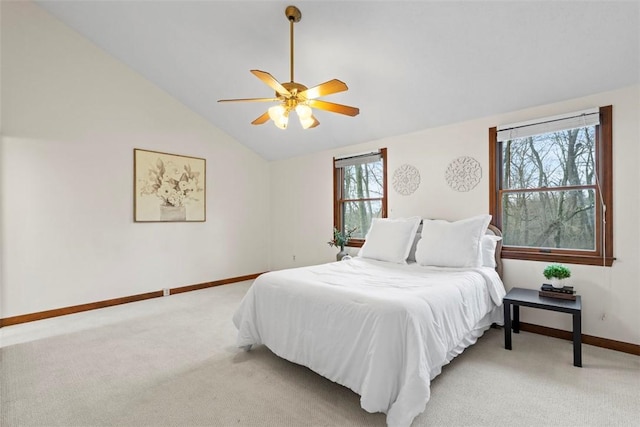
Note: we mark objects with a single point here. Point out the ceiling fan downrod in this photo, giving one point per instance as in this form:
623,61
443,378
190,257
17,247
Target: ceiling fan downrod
294,15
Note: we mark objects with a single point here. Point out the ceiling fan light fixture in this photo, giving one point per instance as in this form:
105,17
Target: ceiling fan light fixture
303,111
306,123
280,116
276,112
282,122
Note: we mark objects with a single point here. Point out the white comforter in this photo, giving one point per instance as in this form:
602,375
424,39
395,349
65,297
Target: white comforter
383,330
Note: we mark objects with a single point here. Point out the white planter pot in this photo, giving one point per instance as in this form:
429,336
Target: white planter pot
557,283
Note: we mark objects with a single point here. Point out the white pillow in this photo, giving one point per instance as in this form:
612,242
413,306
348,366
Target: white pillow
489,244
390,239
452,244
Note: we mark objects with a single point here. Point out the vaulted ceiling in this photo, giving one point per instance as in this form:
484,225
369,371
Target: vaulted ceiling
409,65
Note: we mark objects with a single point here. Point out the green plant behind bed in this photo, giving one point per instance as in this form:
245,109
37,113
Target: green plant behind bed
340,239
557,271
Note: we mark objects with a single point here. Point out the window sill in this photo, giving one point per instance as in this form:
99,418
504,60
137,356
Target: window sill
557,257
355,243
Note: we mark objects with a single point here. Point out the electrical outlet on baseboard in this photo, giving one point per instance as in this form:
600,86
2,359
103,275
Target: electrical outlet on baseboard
166,292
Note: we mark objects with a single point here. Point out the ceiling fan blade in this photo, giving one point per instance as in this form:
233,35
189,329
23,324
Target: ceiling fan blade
334,108
271,82
249,100
326,88
315,122
262,119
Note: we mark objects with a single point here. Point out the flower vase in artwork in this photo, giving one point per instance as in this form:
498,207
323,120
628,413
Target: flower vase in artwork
173,213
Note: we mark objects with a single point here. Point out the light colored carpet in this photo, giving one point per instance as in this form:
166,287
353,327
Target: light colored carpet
172,362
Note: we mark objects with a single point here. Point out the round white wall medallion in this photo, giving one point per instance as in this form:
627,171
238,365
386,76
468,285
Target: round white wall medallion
463,173
406,179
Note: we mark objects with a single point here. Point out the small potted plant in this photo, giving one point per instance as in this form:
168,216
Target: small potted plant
557,273
340,239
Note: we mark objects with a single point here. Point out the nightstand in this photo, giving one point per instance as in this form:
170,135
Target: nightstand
517,297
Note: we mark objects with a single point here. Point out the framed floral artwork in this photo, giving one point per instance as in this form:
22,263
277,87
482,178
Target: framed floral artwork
168,187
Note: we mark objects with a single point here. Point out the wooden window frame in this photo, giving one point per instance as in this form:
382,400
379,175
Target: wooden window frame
338,201
603,253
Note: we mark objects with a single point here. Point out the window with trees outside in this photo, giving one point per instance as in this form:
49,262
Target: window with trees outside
551,188
360,193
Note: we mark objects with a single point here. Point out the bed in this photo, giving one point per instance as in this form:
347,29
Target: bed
383,323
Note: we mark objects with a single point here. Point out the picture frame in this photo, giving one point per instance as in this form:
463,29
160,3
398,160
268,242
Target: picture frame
168,187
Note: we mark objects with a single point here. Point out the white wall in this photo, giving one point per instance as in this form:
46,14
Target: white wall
71,117
303,216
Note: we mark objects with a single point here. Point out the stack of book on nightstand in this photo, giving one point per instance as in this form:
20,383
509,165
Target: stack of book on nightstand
566,292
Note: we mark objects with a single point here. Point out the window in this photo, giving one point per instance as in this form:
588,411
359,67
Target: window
551,188
360,193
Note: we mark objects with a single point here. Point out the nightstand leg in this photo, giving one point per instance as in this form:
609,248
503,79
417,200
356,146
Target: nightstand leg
516,319
507,325
577,340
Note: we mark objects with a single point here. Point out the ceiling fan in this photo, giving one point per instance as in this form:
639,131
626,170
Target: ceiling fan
295,96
